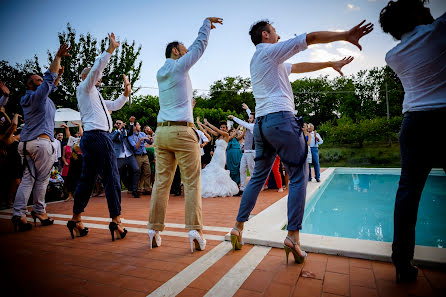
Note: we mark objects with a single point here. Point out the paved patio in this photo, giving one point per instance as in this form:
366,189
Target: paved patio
47,262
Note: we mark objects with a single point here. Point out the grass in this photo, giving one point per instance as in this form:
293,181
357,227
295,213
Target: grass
370,155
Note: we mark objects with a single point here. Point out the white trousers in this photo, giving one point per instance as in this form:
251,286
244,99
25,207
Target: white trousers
247,163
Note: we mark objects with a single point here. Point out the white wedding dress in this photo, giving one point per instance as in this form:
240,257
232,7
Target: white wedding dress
215,179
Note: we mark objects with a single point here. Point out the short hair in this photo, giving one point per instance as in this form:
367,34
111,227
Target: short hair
170,47
256,31
224,123
28,78
400,17
253,113
310,125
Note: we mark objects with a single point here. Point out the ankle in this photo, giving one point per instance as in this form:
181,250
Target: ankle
239,225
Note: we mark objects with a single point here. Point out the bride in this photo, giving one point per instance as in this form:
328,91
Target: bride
215,179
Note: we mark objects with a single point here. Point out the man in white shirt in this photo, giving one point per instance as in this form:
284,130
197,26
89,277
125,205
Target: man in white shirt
316,140
277,130
247,163
419,60
96,144
176,140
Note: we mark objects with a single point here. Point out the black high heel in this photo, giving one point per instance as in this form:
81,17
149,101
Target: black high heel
407,274
72,226
46,222
19,225
114,229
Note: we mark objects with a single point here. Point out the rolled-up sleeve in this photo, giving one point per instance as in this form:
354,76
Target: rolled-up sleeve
282,51
117,104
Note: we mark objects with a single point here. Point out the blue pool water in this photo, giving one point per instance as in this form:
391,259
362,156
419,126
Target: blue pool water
361,206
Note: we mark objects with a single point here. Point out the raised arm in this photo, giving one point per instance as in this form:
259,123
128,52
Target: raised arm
197,48
353,35
314,66
221,132
208,129
81,130
200,126
6,94
117,104
247,125
59,75
101,62
67,130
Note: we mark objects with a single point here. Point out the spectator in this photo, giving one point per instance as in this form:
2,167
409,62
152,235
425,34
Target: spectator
150,149
124,153
315,141
138,140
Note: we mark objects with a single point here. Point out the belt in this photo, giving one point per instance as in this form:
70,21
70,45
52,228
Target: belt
171,123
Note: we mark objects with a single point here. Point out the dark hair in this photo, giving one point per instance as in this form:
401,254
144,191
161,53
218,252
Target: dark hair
224,123
253,114
170,47
256,31
28,78
401,16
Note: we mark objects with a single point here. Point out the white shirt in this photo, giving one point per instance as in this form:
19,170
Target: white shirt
57,147
202,139
419,60
93,108
269,75
313,142
175,87
72,141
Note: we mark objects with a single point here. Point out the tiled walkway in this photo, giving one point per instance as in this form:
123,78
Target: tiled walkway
47,262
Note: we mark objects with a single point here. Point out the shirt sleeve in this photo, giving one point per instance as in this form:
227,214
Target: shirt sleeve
96,71
197,48
282,51
288,68
320,141
117,104
247,125
42,91
248,111
132,140
3,100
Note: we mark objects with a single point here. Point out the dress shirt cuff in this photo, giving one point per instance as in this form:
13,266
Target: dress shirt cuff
50,76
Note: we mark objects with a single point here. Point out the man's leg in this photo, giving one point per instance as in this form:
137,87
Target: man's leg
243,171
188,156
134,172
165,169
42,153
26,186
414,171
92,160
315,156
145,173
309,169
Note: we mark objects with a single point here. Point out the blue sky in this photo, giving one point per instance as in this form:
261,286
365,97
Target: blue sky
30,27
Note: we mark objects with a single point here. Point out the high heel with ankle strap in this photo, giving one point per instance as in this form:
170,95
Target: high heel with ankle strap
74,229
19,225
155,238
236,240
200,243
46,222
114,230
299,259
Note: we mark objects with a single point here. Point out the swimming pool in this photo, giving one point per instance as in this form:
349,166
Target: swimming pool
359,204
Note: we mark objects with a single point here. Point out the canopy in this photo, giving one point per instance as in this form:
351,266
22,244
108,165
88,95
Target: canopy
66,116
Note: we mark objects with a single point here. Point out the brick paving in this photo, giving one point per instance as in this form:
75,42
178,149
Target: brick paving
47,262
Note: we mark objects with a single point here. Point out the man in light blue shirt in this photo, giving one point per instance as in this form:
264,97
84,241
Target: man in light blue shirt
419,60
137,141
316,140
35,145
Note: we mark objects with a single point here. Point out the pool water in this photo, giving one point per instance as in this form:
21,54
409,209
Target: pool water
361,206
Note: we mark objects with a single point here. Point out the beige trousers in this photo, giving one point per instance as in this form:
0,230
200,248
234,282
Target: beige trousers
144,182
176,145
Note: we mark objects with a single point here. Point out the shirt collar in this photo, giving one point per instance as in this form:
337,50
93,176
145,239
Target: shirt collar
262,45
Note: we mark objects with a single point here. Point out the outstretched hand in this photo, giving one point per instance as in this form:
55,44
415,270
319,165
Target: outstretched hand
113,43
61,71
357,32
63,126
63,51
337,65
127,86
4,89
231,117
245,106
215,20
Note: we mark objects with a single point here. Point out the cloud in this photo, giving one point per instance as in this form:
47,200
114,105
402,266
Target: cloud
352,7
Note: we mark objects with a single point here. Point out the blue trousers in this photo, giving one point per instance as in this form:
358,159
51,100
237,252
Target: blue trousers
282,135
317,169
418,156
98,158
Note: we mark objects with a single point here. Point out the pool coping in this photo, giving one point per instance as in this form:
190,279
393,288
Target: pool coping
265,229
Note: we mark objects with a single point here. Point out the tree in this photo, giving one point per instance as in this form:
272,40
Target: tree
84,51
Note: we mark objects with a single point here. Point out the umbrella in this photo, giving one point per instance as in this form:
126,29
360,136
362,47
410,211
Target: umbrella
66,116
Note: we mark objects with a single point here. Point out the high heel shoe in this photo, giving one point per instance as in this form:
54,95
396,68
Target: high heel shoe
299,259
114,230
405,271
74,229
200,243
45,222
19,225
155,238
235,241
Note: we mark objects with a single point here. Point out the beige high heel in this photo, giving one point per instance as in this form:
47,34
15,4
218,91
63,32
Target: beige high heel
299,259
200,243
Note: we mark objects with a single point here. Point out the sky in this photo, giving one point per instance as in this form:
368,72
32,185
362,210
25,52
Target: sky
31,27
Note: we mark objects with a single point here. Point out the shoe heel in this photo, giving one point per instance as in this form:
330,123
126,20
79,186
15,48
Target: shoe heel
191,245
287,252
235,243
151,236
70,227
